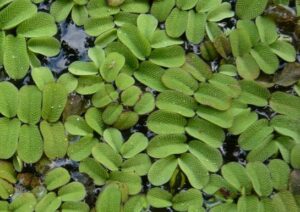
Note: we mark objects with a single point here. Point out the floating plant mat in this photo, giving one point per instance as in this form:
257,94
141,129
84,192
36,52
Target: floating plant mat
137,105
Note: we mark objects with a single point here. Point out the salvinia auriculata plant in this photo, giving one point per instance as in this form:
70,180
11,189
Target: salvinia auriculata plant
144,119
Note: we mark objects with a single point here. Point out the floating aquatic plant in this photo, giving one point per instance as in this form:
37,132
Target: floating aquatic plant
175,104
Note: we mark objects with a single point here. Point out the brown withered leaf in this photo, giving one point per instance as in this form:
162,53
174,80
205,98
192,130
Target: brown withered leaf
76,105
294,184
289,75
208,51
283,16
222,46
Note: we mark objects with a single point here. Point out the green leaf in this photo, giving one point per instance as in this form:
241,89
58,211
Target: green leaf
171,56
287,126
55,141
136,143
2,39
266,29
265,58
147,25
60,9
196,173
30,146
248,204
177,102
186,199
163,122
186,5
280,173
135,6
240,42
126,120
247,67
224,207
295,158
264,151
9,99
6,189
54,101
249,9
179,80
162,170
15,57
47,46
125,18
30,102
89,84
39,25
114,138
124,81
195,29
56,178
130,58
162,146
139,164
135,204
284,50
150,74
226,83
111,66
220,118
94,170
251,29
235,174
206,132
83,68
98,26
206,6
81,149
7,172
69,81
242,121
176,23
93,118
131,37
255,134
278,103
42,76
161,9
107,156
197,67
110,199
253,93
133,182
145,104
285,201
49,202
15,13
24,202
159,198
73,191
76,125
130,96
79,14
97,55
160,39
260,177
219,100
104,96
9,134
75,207
220,12
211,157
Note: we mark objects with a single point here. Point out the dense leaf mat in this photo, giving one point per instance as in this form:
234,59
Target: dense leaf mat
137,105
